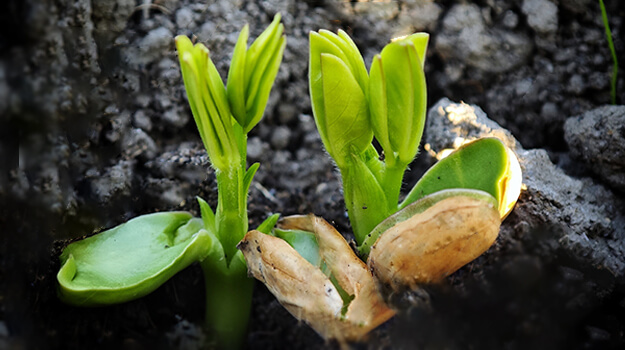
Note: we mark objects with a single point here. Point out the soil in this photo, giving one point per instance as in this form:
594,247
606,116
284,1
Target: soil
96,130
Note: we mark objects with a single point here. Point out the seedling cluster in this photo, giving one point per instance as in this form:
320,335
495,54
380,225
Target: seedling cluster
451,216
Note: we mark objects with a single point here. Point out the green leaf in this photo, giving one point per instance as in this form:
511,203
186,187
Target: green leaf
415,208
305,243
256,103
132,259
350,55
420,42
378,108
258,47
208,216
268,224
249,176
320,45
346,115
364,198
235,88
258,74
480,165
398,101
209,104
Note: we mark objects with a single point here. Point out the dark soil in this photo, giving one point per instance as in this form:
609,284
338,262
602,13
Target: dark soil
96,129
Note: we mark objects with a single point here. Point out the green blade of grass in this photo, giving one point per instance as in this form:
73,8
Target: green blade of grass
608,35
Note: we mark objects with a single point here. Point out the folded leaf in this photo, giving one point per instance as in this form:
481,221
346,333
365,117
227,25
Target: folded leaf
132,259
364,198
485,164
235,88
346,115
338,84
209,103
253,71
419,40
398,100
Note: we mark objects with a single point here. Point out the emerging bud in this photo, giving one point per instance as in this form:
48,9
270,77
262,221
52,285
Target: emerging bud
209,105
253,72
398,97
338,84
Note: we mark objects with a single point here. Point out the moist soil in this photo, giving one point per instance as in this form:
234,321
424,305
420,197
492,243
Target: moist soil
96,130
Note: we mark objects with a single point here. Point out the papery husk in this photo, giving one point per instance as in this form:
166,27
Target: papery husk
431,245
306,292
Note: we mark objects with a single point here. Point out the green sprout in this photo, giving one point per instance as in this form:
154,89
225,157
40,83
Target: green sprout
352,107
134,258
450,217
608,36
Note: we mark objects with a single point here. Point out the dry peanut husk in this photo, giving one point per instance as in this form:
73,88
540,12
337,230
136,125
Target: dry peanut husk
433,244
306,292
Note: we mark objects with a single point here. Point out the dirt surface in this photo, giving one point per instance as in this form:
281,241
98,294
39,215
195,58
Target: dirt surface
96,129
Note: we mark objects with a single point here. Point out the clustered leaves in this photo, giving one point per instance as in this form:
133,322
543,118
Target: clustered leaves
252,73
352,106
134,258
451,216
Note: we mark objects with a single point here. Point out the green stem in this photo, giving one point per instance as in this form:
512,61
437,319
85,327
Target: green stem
231,214
228,289
391,184
608,35
364,199
228,302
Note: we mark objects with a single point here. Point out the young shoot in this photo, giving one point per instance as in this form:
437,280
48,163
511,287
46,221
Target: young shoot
450,217
389,103
134,258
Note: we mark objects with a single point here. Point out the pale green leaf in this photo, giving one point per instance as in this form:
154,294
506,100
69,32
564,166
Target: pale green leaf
258,101
364,198
305,243
479,165
350,55
258,46
420,42
346,114
208,216
236,78
319,45
132,259
378,108
268,224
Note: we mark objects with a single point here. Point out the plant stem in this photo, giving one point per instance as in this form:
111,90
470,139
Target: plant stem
364,199
228,302
231,213
391,184
228,288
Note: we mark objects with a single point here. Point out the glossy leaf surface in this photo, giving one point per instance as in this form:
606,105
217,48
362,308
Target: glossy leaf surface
398,97
338,79
132,259
346,115
253,71
484,164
